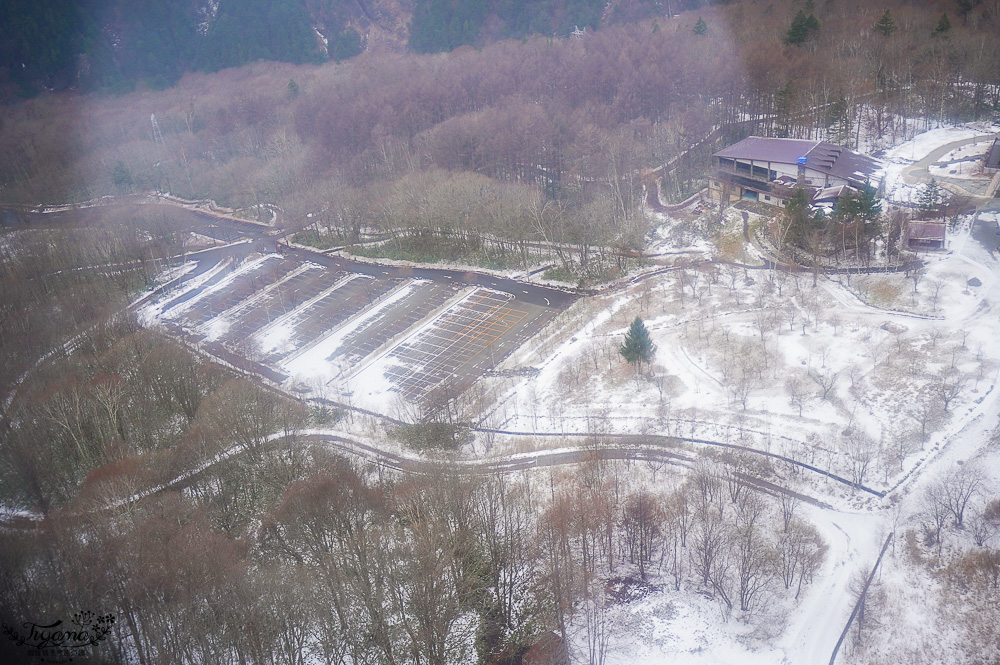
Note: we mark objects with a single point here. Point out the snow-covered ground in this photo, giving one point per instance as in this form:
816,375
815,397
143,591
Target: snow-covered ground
687,628
900,159
746,356
891,341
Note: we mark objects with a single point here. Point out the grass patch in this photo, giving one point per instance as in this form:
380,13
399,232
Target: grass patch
560,274
885,293
431,436
731,246
325,415
433,248
315,239
254,214
596,272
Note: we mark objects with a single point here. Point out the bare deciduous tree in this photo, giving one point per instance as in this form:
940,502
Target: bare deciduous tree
825,380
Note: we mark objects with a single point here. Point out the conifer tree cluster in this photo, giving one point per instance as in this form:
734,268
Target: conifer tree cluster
942,27
929,197
802,29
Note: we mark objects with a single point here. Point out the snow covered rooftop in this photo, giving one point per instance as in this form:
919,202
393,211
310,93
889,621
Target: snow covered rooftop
820,156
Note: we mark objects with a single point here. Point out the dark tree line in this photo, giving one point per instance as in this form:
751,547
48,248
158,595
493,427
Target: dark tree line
113,46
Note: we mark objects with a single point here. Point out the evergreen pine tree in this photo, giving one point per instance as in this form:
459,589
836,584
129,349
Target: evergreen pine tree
122,178
965,6
700,28
803,27
943,26
812,25
800,219
798,31
840,122
929,196
784,108
869,203
638,347
885,26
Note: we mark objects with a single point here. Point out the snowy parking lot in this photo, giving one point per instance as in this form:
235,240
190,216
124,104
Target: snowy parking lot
389,344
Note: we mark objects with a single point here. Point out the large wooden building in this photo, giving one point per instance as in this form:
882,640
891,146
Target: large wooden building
769,170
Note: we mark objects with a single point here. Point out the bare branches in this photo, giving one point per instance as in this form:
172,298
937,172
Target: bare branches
826,380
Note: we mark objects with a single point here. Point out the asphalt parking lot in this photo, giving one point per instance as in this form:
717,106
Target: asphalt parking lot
438,335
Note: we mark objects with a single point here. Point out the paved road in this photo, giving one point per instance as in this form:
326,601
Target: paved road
532,293
987,233
918,173
226,230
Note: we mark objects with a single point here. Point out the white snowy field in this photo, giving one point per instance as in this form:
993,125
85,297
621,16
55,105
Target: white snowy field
688,627
910,370
879,363
899,159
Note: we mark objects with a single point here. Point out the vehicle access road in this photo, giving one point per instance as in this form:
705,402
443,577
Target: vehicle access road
542,296
228,230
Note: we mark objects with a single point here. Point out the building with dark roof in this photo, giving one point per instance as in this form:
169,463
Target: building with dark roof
925,234
992,162
769,170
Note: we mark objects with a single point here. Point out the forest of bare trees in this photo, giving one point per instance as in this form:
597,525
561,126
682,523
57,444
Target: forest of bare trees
288,552
539,141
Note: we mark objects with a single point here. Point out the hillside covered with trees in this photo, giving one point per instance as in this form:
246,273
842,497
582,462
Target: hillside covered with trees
141,477
517,142
114,46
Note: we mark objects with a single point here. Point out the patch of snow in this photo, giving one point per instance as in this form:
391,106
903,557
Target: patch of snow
313,365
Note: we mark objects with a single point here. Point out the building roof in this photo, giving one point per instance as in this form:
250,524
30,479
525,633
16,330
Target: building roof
925,230
993,156
829,194
821,156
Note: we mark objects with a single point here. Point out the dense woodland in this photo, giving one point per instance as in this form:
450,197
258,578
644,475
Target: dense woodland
114,46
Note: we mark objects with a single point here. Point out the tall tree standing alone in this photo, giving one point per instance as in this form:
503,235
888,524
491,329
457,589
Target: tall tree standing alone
638,347
886,25
930,197
942,27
